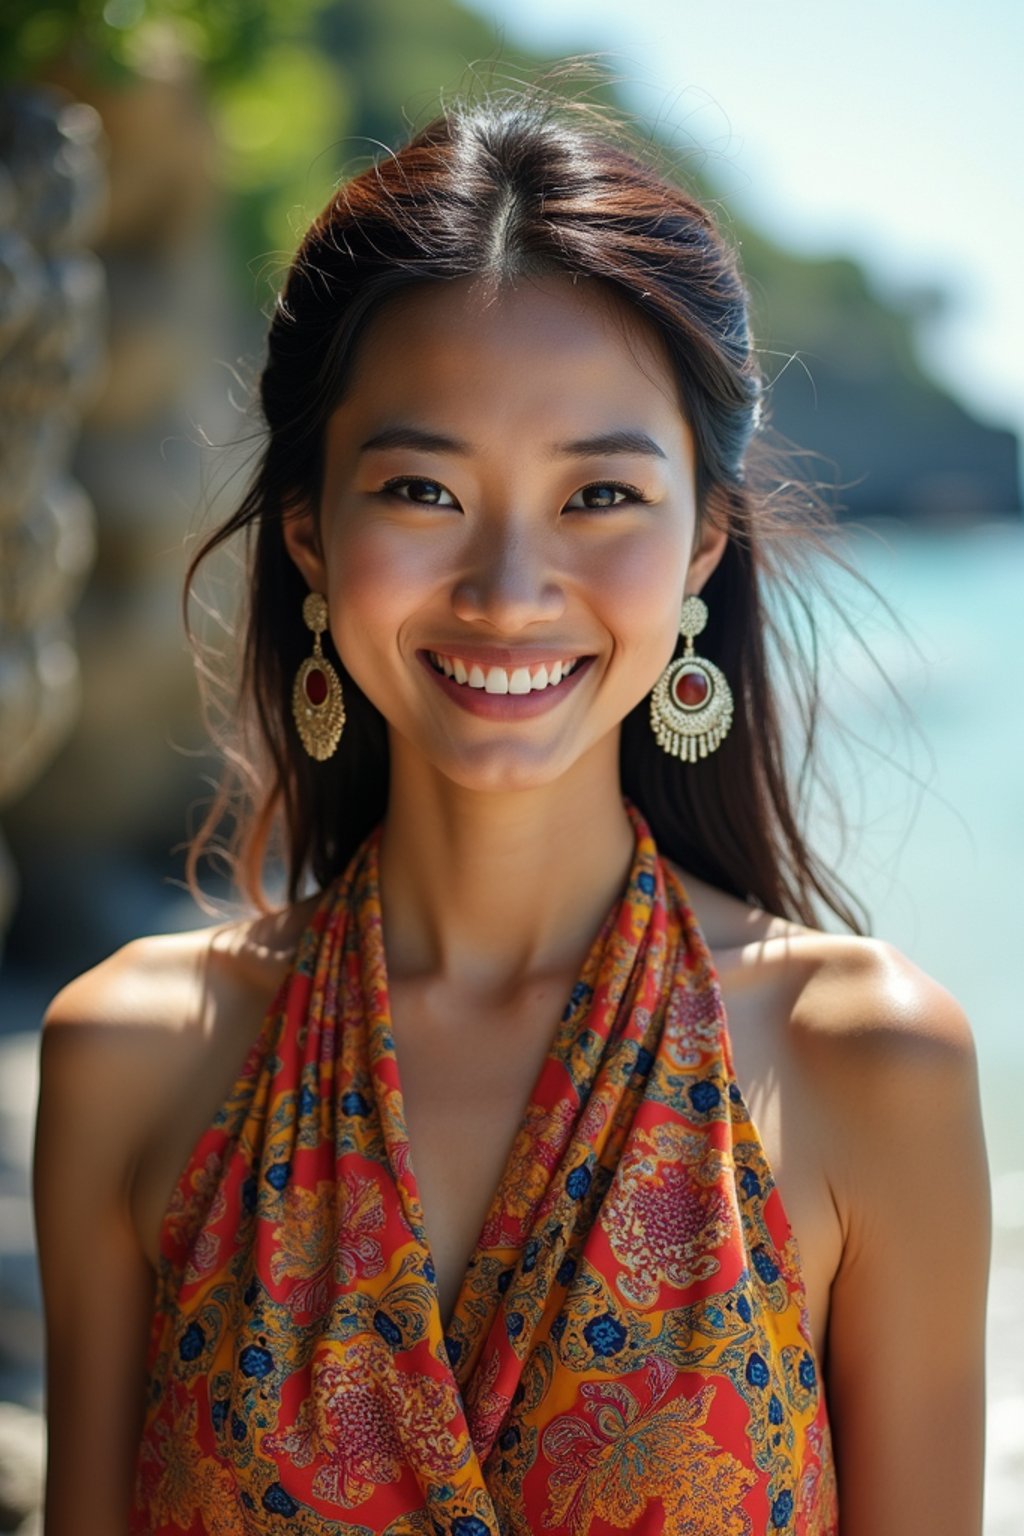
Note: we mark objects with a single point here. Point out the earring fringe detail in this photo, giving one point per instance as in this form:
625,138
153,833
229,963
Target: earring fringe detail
691,703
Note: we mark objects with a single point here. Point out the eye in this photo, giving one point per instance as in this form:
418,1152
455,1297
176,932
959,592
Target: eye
603,495
421,492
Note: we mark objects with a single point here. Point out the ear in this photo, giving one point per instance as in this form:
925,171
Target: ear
301,537
708,549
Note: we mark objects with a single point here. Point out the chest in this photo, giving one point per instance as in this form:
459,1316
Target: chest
466,1084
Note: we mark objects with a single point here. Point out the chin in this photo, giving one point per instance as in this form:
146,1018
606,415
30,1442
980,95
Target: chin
501,770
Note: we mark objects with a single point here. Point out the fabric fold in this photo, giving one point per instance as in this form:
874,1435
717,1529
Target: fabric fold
630,1346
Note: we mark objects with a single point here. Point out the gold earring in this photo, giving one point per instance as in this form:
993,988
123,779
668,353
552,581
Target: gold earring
317,703
691,703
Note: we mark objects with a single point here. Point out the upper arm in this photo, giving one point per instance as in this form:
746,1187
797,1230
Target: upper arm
97,1285
905,1358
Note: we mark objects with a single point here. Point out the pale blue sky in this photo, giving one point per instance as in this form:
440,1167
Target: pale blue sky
889,129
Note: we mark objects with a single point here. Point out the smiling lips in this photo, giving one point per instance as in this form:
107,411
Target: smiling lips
470,674
512,691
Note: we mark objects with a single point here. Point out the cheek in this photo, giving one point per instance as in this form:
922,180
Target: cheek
377,578
642,583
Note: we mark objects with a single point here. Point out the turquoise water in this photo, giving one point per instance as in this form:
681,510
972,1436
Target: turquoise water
936,804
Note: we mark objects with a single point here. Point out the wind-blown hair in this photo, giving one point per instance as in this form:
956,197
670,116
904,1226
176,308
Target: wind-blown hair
512,185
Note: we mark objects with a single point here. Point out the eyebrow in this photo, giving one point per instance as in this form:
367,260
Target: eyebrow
625,440
400,436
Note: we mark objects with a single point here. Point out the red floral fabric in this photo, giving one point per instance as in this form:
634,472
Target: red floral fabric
630,1348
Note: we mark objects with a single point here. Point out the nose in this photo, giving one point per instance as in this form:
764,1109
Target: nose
509,583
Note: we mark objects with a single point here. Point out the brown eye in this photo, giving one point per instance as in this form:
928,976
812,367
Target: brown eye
426,493
603,495
425,490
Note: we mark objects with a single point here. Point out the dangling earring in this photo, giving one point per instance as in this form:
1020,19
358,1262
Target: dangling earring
691,703
316,695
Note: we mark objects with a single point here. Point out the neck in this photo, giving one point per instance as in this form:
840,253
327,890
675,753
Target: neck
492,889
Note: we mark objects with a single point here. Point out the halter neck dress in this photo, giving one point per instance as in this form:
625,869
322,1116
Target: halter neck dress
630,1347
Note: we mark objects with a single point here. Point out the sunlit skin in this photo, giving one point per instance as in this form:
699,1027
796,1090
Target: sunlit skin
505,844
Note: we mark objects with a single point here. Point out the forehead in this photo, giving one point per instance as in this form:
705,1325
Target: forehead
545,351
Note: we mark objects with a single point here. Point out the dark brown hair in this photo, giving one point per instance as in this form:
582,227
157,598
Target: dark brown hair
519,183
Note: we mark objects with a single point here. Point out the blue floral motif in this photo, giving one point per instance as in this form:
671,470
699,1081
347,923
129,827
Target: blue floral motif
278,1175
757,1372
782,1508
505,1280
387,1328
764,1264
429,1272
255,1361
307,1100
734,1093
645,882
578,1181
806,1372
238,1427
566,1271
579,995
279,1502
219,1411
605,1334
193,1342
530,1253
249,1195
774,1410
704,1096
514,1324
558,1326
353,1103
251,1291
743,1308
750,1183
453,1348
468,1525
644,1060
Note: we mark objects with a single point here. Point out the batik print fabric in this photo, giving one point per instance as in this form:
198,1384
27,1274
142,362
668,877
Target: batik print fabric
630,1348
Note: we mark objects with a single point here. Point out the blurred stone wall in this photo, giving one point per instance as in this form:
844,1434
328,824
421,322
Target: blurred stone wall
52,352
117,794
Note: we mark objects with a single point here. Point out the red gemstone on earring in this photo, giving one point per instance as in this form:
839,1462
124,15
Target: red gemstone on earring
316,686
690,689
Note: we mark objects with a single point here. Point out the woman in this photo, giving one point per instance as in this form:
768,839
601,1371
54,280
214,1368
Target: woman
674,1216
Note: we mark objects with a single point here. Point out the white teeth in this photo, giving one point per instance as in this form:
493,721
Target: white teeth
520,680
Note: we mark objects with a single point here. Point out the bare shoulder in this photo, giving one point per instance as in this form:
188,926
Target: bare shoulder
118,1038
889,1055
876,1054
157,984
881,1030
859,1003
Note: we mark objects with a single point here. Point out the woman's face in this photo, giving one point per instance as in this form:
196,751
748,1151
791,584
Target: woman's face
507,525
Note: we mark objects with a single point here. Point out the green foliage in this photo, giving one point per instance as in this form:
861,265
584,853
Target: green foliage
304,92
114,38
